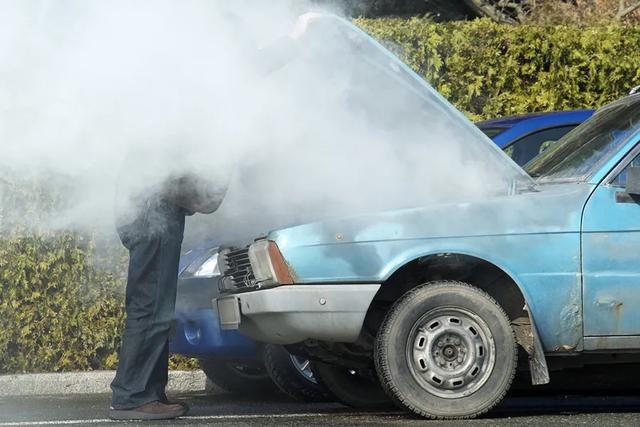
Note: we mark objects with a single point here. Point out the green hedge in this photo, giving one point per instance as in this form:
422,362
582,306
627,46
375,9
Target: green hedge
57,312
490,70
61,300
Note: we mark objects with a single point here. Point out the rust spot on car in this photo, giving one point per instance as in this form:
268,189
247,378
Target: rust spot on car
571,320
617,310
565,347
610,302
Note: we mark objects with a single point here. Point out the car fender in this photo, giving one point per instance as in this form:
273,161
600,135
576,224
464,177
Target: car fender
526,334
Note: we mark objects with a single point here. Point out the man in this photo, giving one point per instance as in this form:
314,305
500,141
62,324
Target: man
153,236
151,227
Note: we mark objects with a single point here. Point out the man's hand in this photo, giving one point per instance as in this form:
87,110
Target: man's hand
277,54
302,23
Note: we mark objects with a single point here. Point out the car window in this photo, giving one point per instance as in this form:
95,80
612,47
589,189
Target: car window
528,147
621,179
492,131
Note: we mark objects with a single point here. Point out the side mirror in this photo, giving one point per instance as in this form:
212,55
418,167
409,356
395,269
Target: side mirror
633,181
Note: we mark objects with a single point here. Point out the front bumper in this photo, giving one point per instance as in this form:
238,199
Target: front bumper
293,313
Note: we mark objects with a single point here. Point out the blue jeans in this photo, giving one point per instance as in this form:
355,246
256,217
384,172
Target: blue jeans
153,239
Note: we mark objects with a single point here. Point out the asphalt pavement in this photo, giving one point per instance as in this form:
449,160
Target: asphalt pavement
276,410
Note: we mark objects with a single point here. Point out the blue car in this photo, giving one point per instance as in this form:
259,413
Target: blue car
237,363
440,303
230,360
199,334
525,136
436,302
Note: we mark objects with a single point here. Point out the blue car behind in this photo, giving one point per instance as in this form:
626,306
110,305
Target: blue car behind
198,332
525,136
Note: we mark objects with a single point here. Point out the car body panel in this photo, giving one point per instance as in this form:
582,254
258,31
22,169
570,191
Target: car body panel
294,313
611,264
197,331
198,334
372,247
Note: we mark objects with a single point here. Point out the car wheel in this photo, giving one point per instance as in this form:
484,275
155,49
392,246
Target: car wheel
241,377
446,350
355,388
293,375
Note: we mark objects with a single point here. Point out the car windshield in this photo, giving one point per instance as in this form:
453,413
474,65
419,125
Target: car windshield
585,149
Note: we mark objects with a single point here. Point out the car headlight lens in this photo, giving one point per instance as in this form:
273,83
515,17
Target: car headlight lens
204,266
209,268
268,264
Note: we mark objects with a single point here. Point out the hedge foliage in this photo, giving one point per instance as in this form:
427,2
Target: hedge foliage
61,299
57,311
490,70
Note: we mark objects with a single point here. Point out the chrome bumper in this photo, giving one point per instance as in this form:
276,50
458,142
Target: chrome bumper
293,313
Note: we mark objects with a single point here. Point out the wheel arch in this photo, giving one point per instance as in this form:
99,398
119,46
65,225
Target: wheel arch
478,271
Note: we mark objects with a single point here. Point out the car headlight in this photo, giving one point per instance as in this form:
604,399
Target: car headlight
268,264
204,266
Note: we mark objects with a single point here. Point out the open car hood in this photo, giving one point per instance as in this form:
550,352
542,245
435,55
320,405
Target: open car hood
477,147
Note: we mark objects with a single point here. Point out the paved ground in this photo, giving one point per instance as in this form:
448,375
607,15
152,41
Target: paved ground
227,410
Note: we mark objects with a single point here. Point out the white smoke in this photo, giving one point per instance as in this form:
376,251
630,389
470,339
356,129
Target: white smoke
323,125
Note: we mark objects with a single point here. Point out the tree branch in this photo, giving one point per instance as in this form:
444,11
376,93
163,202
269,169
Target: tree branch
624,10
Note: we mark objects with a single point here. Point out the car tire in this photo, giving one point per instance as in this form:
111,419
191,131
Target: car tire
446,350
358,389
238,377
293,375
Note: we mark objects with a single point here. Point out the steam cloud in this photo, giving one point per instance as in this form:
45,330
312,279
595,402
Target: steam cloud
320,126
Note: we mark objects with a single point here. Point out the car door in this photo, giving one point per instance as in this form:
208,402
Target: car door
611,266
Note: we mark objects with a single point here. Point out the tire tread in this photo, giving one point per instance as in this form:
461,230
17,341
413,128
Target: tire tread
382,364
221,375
297,390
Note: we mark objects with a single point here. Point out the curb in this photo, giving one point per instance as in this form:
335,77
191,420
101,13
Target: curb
93,382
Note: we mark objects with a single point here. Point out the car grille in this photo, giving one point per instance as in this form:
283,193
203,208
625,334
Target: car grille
237,271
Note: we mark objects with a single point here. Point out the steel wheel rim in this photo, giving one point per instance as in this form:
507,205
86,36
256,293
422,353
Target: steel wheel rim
451,352
303,366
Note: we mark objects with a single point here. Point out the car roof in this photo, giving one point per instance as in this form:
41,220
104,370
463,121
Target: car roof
549,116
516,127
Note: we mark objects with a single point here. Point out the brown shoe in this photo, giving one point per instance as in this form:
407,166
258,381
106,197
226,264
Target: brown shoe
150,411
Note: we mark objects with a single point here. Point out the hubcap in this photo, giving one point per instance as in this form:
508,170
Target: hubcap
451,352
